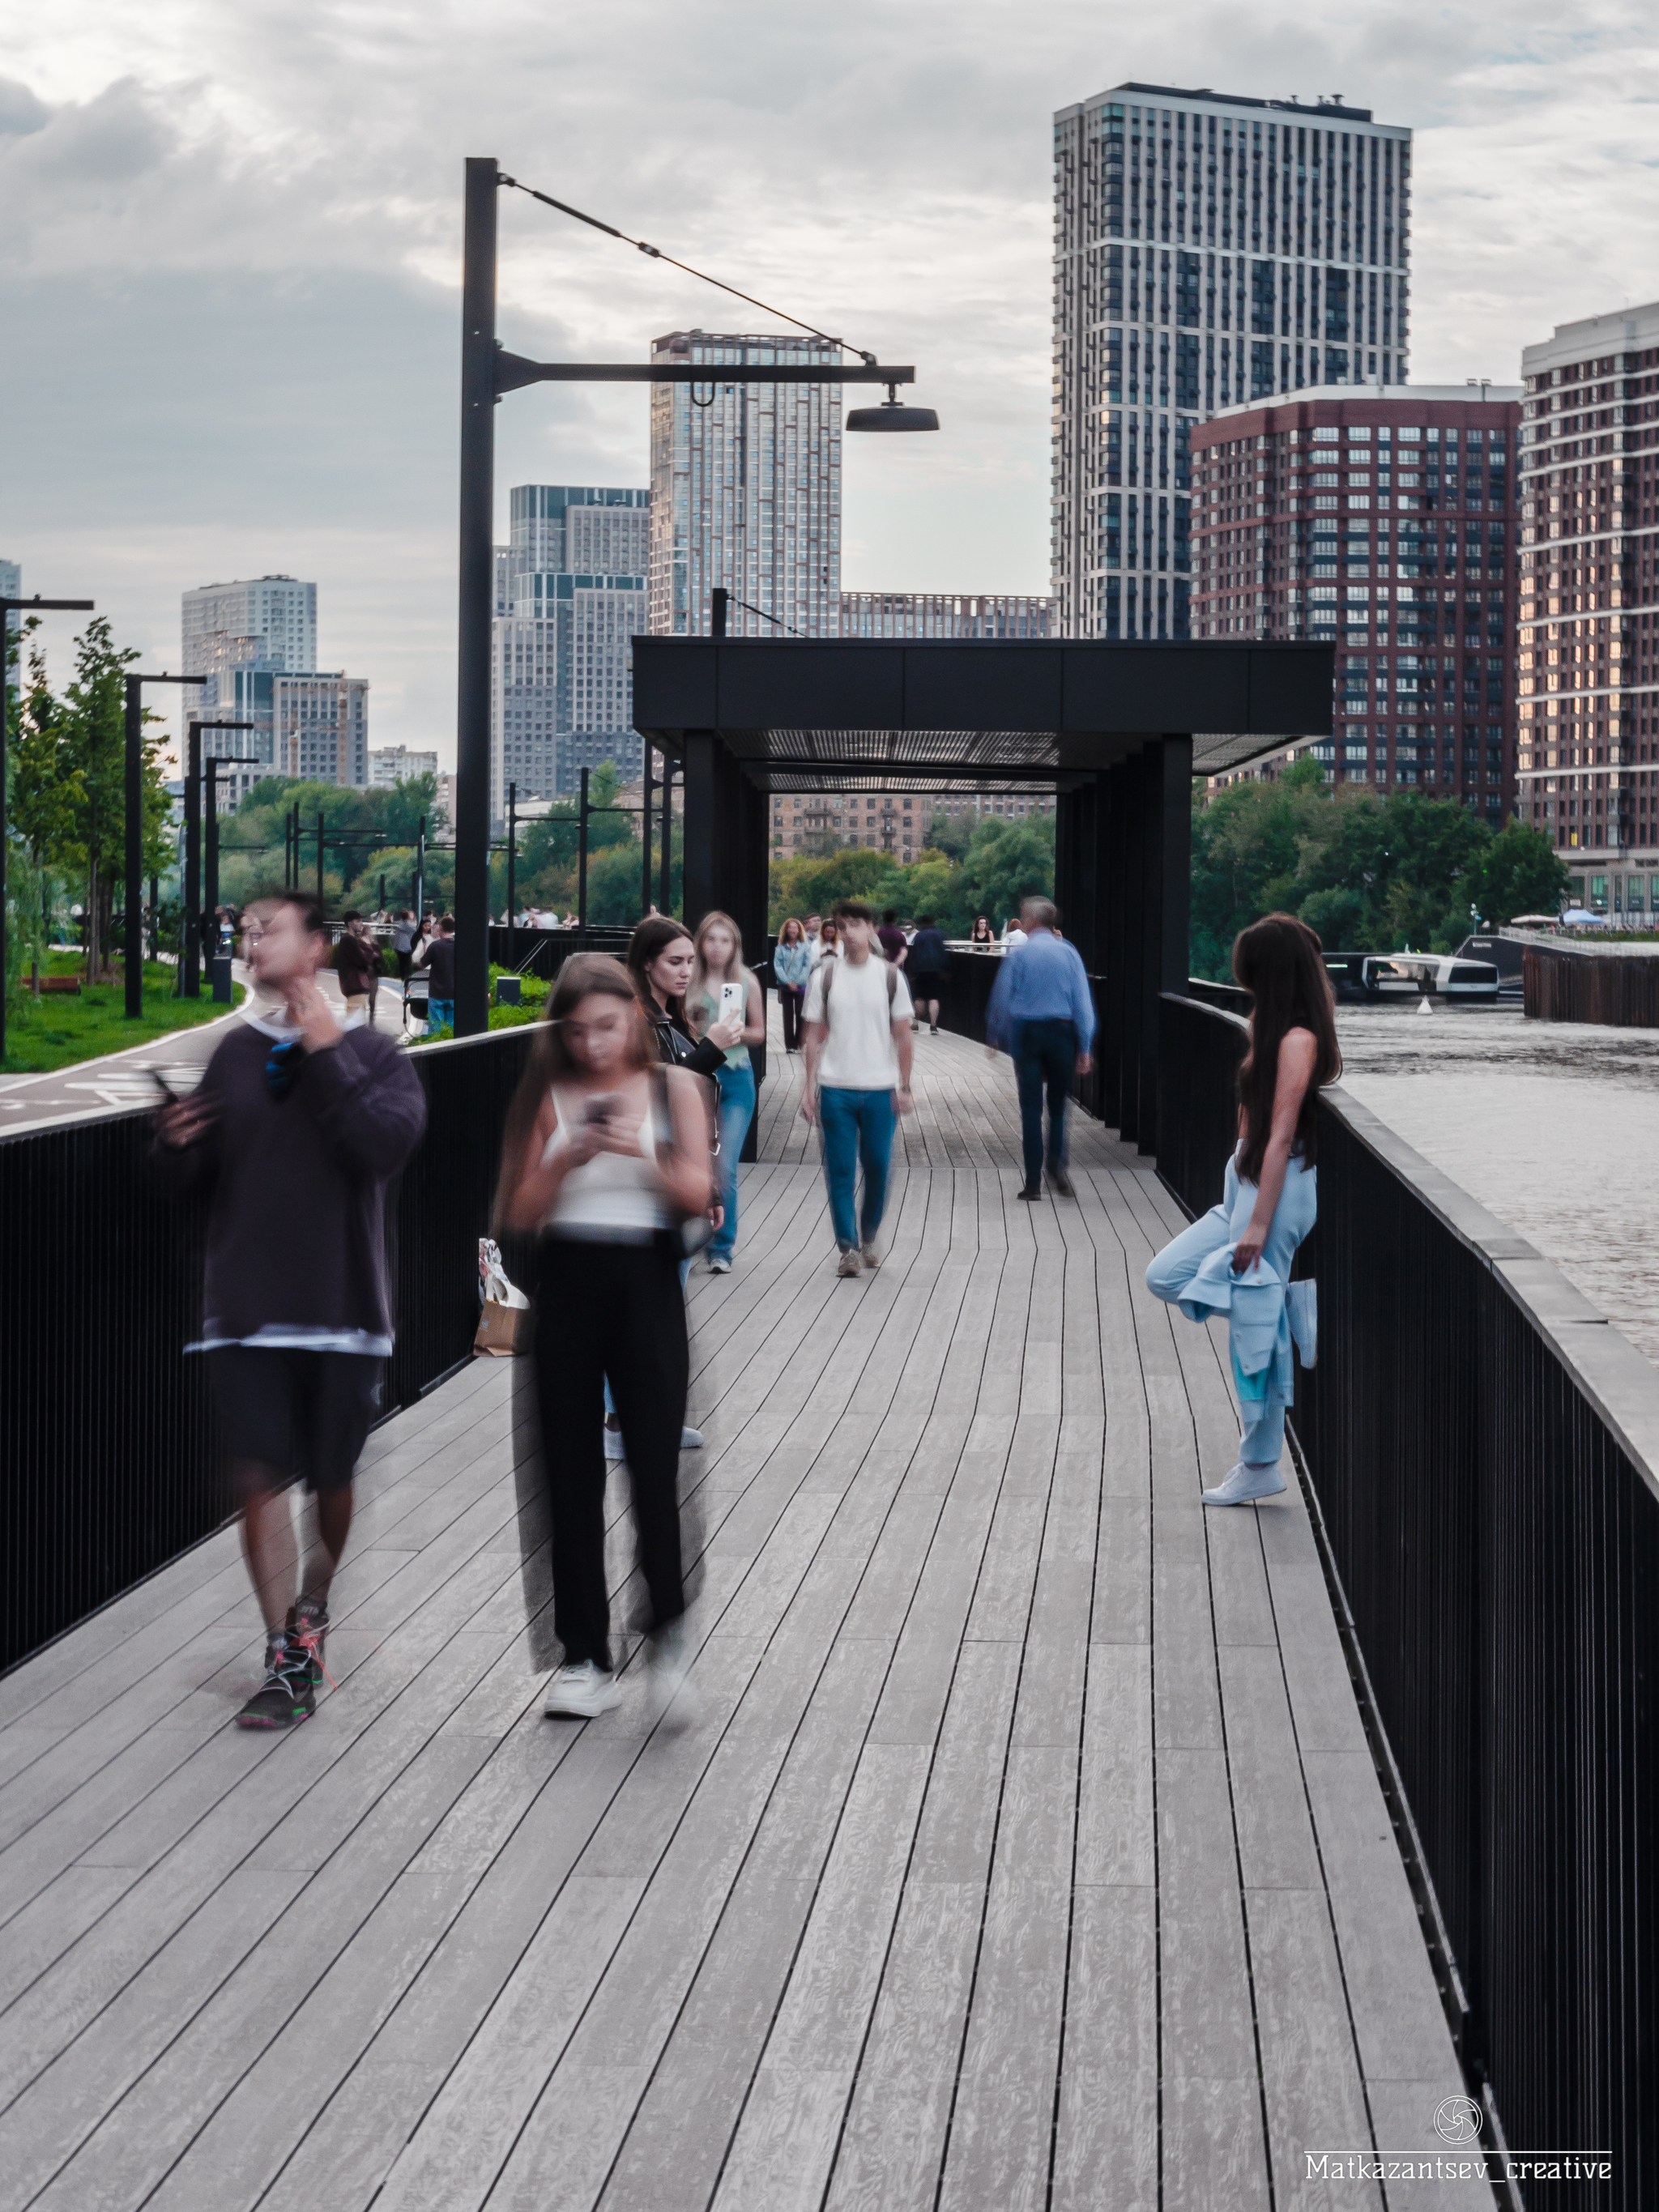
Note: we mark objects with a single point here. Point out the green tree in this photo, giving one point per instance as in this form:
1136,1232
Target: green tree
950,833
1007,860
1520,872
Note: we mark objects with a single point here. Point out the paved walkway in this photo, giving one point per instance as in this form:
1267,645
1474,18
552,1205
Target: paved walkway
123,1079
1028,1852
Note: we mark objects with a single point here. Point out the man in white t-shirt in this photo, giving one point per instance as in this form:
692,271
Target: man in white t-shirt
857,1076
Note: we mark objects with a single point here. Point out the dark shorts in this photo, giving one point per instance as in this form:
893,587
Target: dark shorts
298,1416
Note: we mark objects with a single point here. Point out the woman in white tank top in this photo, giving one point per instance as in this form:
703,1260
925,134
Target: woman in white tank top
607,1153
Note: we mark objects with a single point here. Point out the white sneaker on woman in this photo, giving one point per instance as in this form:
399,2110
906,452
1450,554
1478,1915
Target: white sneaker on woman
581,1693
1245,1485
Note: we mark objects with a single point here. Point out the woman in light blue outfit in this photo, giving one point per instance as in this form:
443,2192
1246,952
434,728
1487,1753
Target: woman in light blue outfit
1236,1259
719,971
791,971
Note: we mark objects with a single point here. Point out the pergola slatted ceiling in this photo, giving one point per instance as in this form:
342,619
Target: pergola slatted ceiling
972,713
1106,727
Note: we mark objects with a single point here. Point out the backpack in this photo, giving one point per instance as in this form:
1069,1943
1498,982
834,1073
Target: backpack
830,968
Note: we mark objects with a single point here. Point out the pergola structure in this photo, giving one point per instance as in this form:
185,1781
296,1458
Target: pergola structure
1116,732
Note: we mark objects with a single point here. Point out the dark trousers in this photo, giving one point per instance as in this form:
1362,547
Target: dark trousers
791,999
1045,1057
615,1309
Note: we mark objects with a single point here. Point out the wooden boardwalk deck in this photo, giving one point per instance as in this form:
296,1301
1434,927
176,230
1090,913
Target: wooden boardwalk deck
1028,1852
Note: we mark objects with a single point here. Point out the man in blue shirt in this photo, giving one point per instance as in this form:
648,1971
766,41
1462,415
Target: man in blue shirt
1041,1011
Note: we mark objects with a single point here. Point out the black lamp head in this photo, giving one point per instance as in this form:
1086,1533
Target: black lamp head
890,416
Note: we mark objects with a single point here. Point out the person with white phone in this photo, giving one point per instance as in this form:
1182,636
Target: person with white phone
723,998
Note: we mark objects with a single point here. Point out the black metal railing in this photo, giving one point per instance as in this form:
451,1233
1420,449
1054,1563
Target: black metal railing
106,1439
1482,1448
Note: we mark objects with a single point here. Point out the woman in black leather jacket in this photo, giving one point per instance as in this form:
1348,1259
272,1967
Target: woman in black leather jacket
659,957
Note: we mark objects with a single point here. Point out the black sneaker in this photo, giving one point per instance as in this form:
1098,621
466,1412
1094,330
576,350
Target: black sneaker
307,1625
1058,1180
287,1694
1030,1190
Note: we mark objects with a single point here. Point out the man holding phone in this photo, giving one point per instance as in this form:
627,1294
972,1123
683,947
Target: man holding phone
297,1127
858,1078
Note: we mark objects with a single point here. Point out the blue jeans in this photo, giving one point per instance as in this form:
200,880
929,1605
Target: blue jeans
440,1013
737,1088
1174,1267
858,1128
1045,1055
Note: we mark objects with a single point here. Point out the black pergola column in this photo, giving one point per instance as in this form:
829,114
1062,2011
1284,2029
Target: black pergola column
727,854
1131,876
1115,788
1167,803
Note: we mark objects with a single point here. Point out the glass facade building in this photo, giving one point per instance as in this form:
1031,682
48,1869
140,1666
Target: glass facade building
745,489
570,597
1208,251
1589,627
945,614
254,645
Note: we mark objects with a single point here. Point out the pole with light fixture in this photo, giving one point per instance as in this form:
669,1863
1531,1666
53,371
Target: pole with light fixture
487,375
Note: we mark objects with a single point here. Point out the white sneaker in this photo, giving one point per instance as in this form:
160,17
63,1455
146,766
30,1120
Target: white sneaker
720,1265
1245,1485
690,1439
871,1258
849,1262
581,1693
670,1666
613,1442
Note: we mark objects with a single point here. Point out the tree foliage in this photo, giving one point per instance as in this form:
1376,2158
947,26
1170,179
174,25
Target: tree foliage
1002,861
1369,874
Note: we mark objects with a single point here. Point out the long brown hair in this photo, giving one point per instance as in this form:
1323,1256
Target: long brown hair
735,970
650,940
583,975
1281,963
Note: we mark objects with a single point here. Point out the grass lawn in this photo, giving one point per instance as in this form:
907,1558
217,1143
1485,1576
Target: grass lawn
47,1033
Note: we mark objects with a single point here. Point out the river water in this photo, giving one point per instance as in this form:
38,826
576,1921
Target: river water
1552,1126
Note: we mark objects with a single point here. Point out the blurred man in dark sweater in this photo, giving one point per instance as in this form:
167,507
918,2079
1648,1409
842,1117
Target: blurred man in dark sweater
295,1130
437,955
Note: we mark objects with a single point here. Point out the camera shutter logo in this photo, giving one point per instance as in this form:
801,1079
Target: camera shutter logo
1458,2120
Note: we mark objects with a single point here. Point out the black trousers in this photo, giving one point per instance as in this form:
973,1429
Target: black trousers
615,1309
791,999
1045,1059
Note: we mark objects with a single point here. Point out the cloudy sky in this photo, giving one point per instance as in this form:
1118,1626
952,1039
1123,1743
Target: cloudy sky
229,266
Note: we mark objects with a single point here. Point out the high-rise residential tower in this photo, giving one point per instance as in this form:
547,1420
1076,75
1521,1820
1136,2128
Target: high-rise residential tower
1588,628
1208,250
571,598
745,489
1384,522
254,645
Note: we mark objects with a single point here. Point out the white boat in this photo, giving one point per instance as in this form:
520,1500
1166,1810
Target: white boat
1448,976
1386,975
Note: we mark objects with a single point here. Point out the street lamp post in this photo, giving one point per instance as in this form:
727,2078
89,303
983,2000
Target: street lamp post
134,1006
213,763
488,374
190,981
8,609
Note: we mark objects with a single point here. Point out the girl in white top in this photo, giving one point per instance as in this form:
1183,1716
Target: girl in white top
606,1152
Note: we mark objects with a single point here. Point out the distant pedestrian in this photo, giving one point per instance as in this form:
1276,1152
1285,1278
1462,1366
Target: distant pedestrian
890,938
928,969
980,936
294,1132
814,924
1236,1259
437,957
791,971
606,1152
858,1078
403,941
826,945
1012,935
721,988
355,963
1041,1011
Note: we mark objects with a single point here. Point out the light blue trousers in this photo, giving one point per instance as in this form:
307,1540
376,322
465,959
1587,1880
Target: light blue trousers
1170,1274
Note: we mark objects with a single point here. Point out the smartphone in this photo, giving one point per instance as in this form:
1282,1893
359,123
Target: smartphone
169,1096
599,1109
732,999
